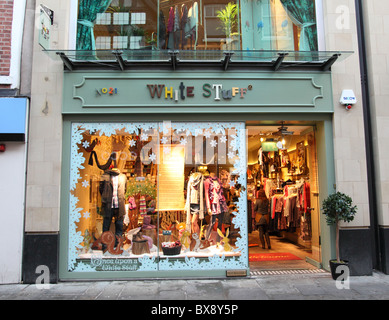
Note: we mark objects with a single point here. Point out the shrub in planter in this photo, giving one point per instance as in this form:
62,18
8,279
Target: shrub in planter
338,207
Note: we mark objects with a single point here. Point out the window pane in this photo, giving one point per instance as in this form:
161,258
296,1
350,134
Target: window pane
197,25
142,191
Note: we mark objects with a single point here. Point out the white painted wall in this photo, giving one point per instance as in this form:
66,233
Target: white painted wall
12,190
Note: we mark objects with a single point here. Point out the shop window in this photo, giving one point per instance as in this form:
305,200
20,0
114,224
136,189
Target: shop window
279,25
199,25
157,196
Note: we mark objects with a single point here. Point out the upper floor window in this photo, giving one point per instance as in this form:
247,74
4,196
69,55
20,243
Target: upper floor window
197,25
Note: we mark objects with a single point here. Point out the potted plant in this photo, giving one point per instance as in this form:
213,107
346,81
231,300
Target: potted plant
228,18
338,207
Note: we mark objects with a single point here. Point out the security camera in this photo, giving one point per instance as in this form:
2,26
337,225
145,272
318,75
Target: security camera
348,99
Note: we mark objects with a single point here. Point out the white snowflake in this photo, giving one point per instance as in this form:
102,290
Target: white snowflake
231,155
207,134
144,136
223,139
85,183
86,215
213,143
166,150
198,131
164,140
85,144
132,143
183,141
152,157
232,183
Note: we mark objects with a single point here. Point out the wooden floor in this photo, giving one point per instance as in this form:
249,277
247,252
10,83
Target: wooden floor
279,244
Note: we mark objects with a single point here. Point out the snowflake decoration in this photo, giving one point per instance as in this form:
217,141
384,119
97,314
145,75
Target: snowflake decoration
207,134
86,215
223,139
231,155
183,141
213,143
166,150
198,131
232,183
85,144
152,157
85,183
164,140
144,136
132,143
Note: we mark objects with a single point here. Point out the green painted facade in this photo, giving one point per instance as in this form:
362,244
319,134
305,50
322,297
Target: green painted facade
298,98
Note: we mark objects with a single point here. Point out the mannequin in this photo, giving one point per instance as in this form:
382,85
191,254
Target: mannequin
194,202
215,201
113,189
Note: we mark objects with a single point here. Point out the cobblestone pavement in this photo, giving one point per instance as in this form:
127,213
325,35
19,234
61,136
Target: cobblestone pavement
319,286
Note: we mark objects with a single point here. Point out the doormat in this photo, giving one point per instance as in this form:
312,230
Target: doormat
279,256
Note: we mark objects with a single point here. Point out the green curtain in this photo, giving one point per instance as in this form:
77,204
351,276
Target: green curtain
87,13
302,13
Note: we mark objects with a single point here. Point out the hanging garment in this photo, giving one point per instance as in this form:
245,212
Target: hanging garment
225,178
107,189
170,23
102,166
142,205
214,196
132,203
162,30
193,15
185,29
260,159
115,199
194,197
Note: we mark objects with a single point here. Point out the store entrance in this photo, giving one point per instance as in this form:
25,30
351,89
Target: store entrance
282,198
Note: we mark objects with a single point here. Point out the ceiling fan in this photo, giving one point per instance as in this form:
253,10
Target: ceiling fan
283,131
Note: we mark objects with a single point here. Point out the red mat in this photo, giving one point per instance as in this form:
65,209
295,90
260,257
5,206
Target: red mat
279,256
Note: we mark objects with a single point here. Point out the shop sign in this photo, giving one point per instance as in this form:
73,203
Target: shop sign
139,91
216,91
115,264
46,19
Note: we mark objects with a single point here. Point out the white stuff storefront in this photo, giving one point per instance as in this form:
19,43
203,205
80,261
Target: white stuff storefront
143,196
166,141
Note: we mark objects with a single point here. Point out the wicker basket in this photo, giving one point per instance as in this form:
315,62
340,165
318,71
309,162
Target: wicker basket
171,251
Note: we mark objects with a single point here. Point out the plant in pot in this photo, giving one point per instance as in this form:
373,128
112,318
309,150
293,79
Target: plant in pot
338,207
228,19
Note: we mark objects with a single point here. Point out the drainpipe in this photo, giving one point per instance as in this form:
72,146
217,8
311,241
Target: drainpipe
371,172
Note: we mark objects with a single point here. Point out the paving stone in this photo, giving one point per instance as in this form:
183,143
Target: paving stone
275,287
310,289
246,294
112,291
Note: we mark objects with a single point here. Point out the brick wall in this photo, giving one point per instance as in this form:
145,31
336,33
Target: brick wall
6,11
